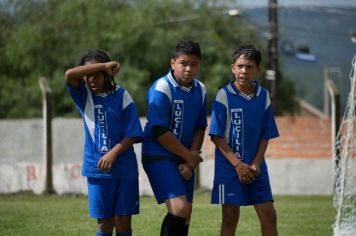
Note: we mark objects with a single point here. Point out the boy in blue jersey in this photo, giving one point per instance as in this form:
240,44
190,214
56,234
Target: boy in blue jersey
173,136
111,126
242,122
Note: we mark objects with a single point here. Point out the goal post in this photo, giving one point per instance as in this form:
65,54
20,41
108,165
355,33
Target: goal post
345,163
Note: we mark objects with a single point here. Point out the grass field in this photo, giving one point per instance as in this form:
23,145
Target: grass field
26,214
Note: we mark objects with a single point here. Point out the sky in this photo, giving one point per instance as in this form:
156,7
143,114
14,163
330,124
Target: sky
264,3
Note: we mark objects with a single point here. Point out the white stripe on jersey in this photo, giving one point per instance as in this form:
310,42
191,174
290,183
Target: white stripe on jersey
203,91
163,87
126,100
222,98
258,91
231,89
89,114
172,80
268,101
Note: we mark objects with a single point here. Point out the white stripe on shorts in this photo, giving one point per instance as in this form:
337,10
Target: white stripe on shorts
221,193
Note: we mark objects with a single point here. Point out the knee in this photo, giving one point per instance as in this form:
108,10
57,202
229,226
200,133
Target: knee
184,211
106,225
179,207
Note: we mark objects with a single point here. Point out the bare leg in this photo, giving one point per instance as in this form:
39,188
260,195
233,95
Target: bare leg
106,225
268,218
230,218
179,206
176,222
122,224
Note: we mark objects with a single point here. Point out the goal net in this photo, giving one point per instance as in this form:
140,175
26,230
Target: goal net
345,166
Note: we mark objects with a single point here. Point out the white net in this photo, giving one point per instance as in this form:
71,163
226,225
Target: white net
345,167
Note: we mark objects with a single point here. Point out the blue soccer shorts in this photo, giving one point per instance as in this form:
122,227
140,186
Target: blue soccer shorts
236,193
167,182
109,197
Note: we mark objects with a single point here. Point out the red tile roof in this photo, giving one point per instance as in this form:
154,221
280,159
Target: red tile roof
300,137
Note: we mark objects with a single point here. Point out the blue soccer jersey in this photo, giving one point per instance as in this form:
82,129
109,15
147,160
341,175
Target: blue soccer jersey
243,121
108,118
180,109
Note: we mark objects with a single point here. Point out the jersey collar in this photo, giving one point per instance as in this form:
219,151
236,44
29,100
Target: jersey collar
174,82
233,90
104,94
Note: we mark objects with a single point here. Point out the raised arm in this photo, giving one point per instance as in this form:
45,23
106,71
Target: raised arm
74,75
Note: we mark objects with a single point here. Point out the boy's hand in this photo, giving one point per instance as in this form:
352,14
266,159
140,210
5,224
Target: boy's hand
194,159
256,169
112,67
106,162
245,173
185,170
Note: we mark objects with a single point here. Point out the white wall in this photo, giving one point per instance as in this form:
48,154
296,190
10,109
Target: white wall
22,158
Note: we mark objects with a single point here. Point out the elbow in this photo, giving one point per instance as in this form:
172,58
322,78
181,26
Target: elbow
216,139
213,138
71,74
67,75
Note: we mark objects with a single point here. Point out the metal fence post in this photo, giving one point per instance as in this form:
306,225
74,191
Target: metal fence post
335,116
47,133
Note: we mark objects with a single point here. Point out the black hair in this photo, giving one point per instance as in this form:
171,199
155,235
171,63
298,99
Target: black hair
186,47
100,56
249,52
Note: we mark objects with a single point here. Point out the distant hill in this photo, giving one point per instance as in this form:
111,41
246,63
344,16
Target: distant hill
326,33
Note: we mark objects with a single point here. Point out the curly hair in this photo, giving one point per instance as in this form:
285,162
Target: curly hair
100,56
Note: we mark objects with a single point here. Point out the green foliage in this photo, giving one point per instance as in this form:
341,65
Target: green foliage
286,102
47,37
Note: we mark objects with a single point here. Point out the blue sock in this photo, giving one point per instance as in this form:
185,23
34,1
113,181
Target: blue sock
99,233
124,234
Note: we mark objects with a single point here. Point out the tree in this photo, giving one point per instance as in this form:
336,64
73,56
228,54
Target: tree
46,37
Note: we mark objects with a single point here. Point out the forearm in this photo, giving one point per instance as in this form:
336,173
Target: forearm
261,152
107,161
198,140
243,170
227,152
80,71
173,145
123,146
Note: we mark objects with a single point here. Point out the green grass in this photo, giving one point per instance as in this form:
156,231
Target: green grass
26,214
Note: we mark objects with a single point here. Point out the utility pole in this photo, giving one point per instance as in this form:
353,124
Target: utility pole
272,73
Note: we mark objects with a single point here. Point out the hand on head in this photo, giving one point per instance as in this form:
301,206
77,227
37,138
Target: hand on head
112,67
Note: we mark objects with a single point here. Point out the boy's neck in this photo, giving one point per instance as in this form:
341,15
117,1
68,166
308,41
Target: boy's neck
246,89
180,83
